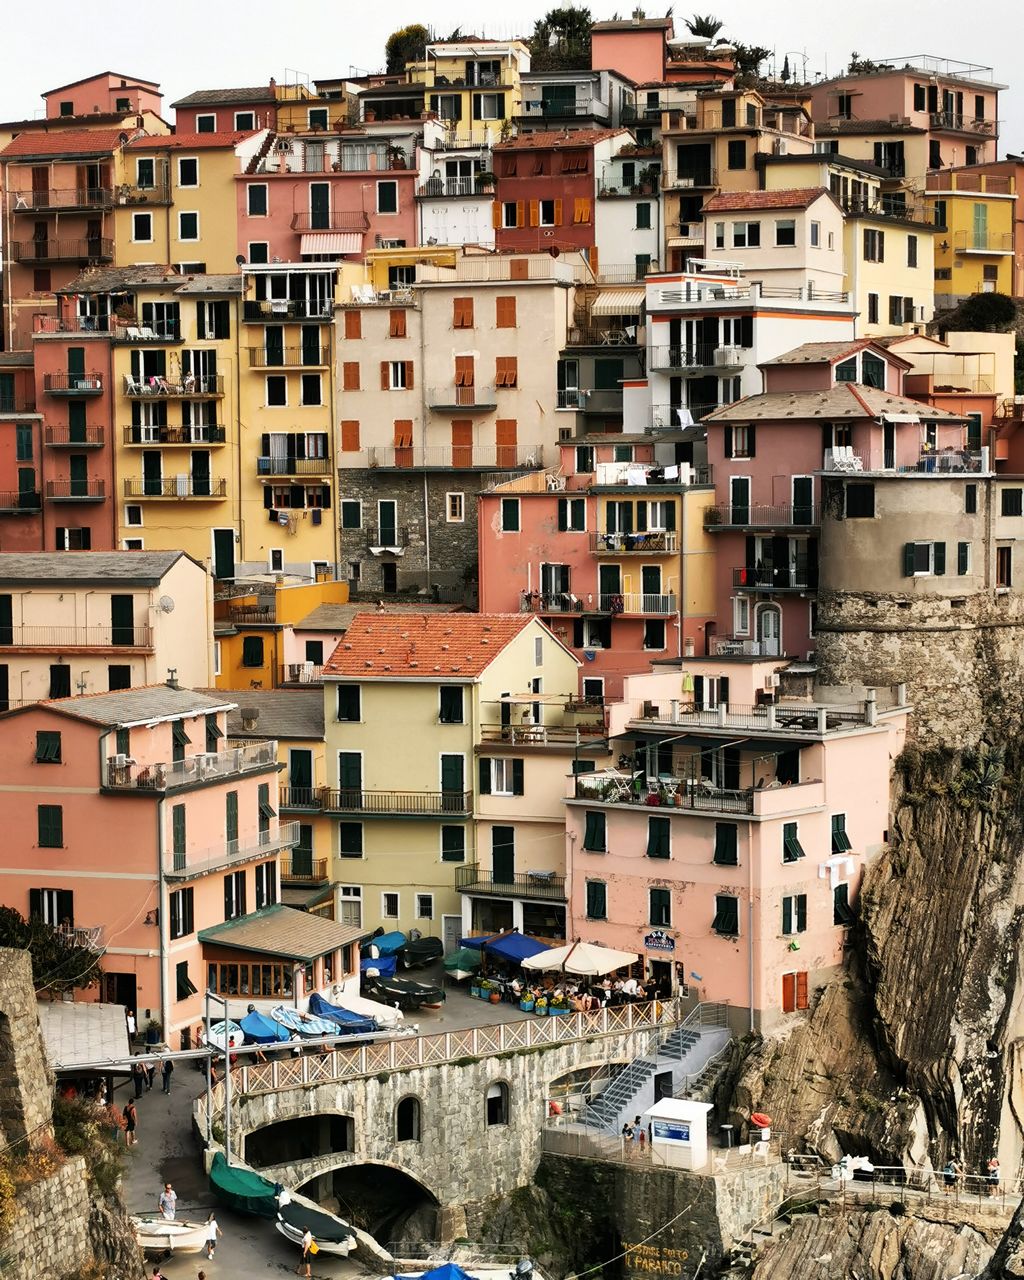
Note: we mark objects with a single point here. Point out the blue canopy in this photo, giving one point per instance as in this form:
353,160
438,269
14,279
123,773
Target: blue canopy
446,1271
388,944
478,944
346,1021
262,1030
509,946
385,965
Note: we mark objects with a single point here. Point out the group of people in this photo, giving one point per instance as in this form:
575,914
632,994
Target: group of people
634,1137
143,1077
580,997
953,1174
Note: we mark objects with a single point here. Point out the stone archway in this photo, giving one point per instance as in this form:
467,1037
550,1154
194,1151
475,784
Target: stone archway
381,1199
299,1138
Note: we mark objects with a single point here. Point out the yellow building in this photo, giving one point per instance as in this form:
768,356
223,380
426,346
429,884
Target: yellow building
974,250
391,269
408,703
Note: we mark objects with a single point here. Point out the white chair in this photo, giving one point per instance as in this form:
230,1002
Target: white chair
761,1151
147,334
132,333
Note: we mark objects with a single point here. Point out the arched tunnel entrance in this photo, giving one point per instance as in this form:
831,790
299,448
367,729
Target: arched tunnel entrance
298,1139
387,1203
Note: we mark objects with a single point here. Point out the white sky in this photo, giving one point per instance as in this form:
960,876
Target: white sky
202,44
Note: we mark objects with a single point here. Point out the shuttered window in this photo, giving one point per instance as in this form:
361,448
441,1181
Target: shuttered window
658,837
842,912
396,324
350,375
792,850
51,826
462,313
349,702
506,371
794,913
349,435
353,324
840,840
453,844
595,838
47,747
597,900
726,844
727,915
505,313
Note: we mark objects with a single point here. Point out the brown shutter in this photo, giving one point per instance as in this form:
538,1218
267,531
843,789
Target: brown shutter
350,375
353,324
520,214
801,989
385,375
534,213
788,992
520,269
558,213
496,214
409,381
349,435
403,442
506,438
464,371
505,315
397,327
462,443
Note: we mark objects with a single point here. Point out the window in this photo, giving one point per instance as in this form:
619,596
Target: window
505,313
424,906
318,117
455,508
842,913
462,313
597,900
396,375
312,392
509,214
349,703
548,212
142,228
840,840
934,154
860,501
963,558
67,108
794,913
726,851
41,280
350,839
659,837
407,1120
51,826
584,459
488,106
506,371
188,171
277,391
740,441
719,235
351,514
453,844
1004,566
234,895
911,251
60,680
1012,502
451,709
895,309
872,308
206,123
874,245
643,217
133,515
746,235
510,515
389,905
923,558
727,915
188,226
252,651
266,884
47,747
792,849
119,676
654,633
502,776
182,916
244,120
741,616
183,984
387,197
815,235
659,907
257,202
737,154
497,1100
595,837
572,514
396,323
785,232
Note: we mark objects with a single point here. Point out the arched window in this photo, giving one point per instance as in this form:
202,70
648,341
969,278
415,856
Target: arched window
497,1103
407,1120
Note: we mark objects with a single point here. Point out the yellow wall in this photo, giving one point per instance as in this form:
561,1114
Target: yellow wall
291,605
698,597
379,260
452,66
965,265
892,277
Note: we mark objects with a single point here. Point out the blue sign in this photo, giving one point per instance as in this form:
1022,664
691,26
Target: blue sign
673,1130
659,940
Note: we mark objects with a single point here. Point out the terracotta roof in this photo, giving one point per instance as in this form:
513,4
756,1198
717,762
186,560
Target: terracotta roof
825,352
227,97
846,400
189,141
794,198
553,139
454,644
71,142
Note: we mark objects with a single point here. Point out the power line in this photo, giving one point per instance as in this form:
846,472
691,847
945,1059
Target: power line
619,1256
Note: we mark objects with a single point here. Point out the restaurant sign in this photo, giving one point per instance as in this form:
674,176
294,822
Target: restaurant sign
659,940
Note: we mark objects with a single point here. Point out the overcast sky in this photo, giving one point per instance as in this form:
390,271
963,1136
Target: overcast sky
200,44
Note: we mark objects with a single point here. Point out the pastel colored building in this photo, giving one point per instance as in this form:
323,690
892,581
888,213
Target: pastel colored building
637,48
472,85
21,455
109,92
240,110
94,621
976,248
574,98
728,846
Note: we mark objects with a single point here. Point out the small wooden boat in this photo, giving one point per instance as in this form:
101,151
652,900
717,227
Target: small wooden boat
157,1235
303,1024
223,1035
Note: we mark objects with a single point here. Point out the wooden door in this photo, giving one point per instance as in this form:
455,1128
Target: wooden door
505,438
462,444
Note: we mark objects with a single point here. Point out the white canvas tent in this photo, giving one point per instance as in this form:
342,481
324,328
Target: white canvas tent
588,959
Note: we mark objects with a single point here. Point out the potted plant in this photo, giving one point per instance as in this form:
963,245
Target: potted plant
559,1004
648,179
540,1006
396,157
154,1029
526,1002
485,180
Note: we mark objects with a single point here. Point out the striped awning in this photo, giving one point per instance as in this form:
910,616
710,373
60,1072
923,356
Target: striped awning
618,302
336,242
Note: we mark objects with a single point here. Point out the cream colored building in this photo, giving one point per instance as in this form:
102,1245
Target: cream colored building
93,621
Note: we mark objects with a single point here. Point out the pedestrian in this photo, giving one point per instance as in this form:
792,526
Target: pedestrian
150,1074
950,1173
638,1130
643,1140
992,1175
212,1232
168,1068
158,1274
168,1202
308,1250
131,1120
138,1078
626,1137
129,1018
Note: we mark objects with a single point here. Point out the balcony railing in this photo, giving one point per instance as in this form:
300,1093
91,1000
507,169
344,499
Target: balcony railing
21,502
74,437
959,123
673,417
61,198
90,939
390,535
637,602
689,179
135,334
92,249
278,309
311,798
406,803
159,387
449,187
293,466
135,193
301,673
336,220
589,336
245,615
759,516
634,544
549,602
210,766
304,870
693,792
786,578
183,866
176,487
441,457
23,402
150,435
533,884
73,384
85,490
570,398
72,637
579,108
697,358
467,399
983,241
946,461
546,735
288,357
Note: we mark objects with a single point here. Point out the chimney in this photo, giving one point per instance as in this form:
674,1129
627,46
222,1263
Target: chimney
250,717
172,678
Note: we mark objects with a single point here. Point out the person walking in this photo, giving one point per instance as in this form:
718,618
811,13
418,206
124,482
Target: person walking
950,1174
131,1121
308,1249
150,1074
212,1232
166,1073
626,1137
168,1202
638,1130
138,1078
992,1176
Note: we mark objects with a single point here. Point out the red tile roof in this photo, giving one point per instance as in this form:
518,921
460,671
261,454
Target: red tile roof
71,142
795,198
425,645
547,139
189,141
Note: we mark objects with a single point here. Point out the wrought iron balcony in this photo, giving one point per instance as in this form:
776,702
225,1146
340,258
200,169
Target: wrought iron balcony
74,437
124,775
138,193
768,579
531,884
760,516
301,673
87,489
413,804
152,435
288,357
72,637
190,387
90,249
89,938
183,486
293,466
662,542
73,384
273,311
637,602
464,399
23,402
304,870
336,220
27,502
61,198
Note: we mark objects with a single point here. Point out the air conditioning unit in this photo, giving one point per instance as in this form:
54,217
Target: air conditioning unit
119,762
779,147
181,486
727,355
772,681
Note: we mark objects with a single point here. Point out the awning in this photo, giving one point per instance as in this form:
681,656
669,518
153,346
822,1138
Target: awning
901,417
76,1032
333,242
618,302
283,931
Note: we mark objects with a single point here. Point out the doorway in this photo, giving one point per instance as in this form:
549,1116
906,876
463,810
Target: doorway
769,630
451,932
389,579
223,553
120,988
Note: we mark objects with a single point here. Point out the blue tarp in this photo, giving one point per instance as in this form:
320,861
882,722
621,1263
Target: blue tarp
385,965
478,943
509,946
446,1271
388,944
346,1021
261,1030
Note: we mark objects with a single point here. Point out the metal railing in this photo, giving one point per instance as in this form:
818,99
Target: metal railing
277,309
634,544
153,435
700,356
72,637
336,220
76,437
761,516
445,456
462,397
945,461
449,187
20,501
206,384
137,193
544,735
793,577
288,357
85,490
93,248
390,535
638,602
815,717
247,614
690,178
193,863
302,673
293,466
983,241
538,109
412,803
177,487
470,879
304,870
587,336
673,417
73,384
61,198
301,798
197,768
691,792
570,398
90,938
549,602
23,402
139,334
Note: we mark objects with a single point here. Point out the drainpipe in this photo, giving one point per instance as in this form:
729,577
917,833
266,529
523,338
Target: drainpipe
426,526
162,918
750,922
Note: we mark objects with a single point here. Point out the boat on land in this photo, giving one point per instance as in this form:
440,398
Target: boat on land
157,1235
242,1190
403,992
303,1024
332,1234
223,1034
344,1020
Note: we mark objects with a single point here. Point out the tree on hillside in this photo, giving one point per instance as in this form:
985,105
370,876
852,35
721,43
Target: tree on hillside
407,44
995,312
561,37
57,963
748,60
706,26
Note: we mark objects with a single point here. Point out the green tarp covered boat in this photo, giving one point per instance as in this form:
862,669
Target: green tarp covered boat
242,1189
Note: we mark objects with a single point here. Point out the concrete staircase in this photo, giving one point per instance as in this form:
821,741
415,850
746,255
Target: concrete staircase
604,1111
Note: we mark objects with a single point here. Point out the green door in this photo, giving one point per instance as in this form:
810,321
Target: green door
76,421
803,500
350,779
122,620
980,227
453,783
6,621
152,473
310,344
6,392
79,472
28,495
319,206
503,855
76,362
273,344
201,483
223,553
300,776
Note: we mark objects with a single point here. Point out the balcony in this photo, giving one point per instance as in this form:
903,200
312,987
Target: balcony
125,333
442,457
124,775
674,417
274,311
136,193
189,388
690,180
89,939
629,475
150,435
590,336
20,502
794,577
60,199
247,615
665,542
301,673
294,467
549,602
73,384
545,885
785,717
289,358
83,490
391,535
73,637
447,187
304,870
688,793
336,220
462,399
696,359
182,486
409,804
955,122
782,516
187,866
35,252
602,400
570,398
983,242
579,109
74,437
640,604
23,402
559,736
309,799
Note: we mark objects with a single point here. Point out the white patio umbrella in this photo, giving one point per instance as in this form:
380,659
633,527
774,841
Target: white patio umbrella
584,958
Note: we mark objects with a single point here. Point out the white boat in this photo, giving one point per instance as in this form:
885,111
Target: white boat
156,1234
221,1034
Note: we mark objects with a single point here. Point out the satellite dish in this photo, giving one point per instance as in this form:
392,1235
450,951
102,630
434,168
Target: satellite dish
240,260
166,604
554,251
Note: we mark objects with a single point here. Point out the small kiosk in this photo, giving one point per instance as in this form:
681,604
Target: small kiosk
679,1132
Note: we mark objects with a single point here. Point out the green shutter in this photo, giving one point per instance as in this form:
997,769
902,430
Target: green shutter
840,840
178,832
51,826
596,835
787,915
963,556
938,558
453,844
350,839
484,775
801,912
658,830
908,559
47,747
727,915
792,850
518,785
726,844
597,900
231,815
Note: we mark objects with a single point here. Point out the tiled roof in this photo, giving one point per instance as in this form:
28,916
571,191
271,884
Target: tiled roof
137,706
554,139
79,568
226,97
794,198
826,352
843,401
336,617
283,931
133,82
829,158
211,284
110,279
283,713
71,142
456,644
190,141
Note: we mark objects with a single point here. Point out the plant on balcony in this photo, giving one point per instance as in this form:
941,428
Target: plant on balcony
540,1006
559,1003
396,156
527,1004
648,178
58,964
485,180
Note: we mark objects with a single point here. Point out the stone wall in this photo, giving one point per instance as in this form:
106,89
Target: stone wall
26,1087
50,1236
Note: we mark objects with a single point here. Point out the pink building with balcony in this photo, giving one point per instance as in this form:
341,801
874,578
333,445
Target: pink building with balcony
131,828
108,93
728,845
827,407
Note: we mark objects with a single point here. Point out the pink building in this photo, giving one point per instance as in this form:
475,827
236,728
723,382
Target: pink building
826,407
635,47
131,827
109,93
227,110
728,846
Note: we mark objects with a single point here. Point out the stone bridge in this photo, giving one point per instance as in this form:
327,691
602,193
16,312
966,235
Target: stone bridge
461,1112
